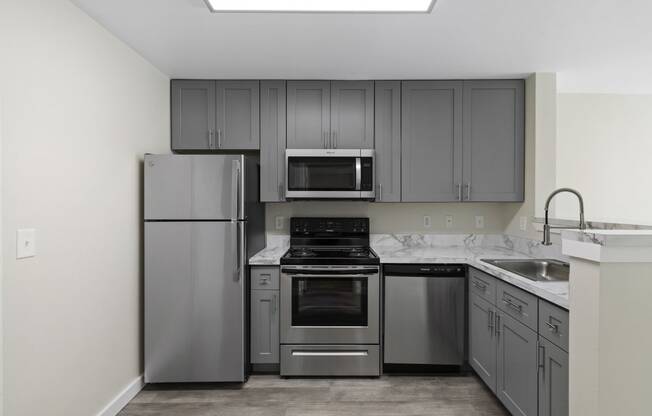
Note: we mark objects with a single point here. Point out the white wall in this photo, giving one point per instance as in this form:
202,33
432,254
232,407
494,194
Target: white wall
80,109
603,149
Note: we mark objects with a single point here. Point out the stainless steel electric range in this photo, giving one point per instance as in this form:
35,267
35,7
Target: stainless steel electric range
330,299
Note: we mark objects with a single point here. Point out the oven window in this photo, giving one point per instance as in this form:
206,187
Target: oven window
324,301
321,173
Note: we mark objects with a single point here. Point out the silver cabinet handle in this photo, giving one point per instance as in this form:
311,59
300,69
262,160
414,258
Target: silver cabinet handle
480,285
497,325
542,359
380,192
490,315
468,191
219,138
334,140
553,328
512,305
210,138
275,303
264,279
459,191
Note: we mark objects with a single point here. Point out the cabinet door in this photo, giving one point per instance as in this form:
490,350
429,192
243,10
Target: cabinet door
264,327
192,114
516,384
308,114
494,140
238,121
352,115
272,141
553,379
431,141
388,141
482,342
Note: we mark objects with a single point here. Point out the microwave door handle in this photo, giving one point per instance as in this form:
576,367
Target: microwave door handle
358,174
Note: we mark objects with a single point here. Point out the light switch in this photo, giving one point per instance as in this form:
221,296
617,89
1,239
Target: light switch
25,243
427,221
449,221
479,221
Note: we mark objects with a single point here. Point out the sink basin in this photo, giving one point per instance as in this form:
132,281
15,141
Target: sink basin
538,270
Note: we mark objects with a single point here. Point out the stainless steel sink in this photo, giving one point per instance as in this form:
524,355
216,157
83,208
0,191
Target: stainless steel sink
538,270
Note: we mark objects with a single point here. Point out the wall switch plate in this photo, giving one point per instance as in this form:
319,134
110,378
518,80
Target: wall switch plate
449,221
427,221
479,221
25,243
523,224
278,223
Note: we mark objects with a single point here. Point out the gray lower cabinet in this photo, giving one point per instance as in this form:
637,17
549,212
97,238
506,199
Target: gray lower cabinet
387,121
272,141
214,115
352,115
482,342
265,327
553,379
308,114
192,106
237,120
431,141
517,368
494,140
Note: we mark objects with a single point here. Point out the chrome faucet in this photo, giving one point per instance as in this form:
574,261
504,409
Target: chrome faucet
547,227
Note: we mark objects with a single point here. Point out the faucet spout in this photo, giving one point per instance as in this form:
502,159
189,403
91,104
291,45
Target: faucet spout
547,227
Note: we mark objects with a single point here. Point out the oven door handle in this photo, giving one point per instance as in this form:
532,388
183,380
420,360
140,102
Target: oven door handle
330,276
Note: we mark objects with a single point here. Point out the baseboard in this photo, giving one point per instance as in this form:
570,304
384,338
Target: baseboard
121,400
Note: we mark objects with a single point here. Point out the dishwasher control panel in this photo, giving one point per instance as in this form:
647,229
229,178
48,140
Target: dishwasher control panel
433,270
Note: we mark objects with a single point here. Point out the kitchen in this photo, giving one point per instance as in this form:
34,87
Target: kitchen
336,234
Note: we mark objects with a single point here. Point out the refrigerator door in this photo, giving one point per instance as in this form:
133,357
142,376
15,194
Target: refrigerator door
193,187
194,302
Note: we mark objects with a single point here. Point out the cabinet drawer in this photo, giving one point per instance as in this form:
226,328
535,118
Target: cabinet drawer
482,285
264,278
518,303
553,324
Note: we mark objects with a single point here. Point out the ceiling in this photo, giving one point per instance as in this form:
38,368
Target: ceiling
593,45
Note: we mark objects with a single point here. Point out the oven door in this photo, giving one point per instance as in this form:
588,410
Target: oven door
319,173
330,305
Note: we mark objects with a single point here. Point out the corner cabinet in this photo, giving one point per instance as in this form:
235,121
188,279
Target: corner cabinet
214,115
330,114
272,141
494,140
265,302
521,362
387,121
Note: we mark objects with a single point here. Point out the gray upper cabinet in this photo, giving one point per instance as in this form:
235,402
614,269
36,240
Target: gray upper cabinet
431,141
308,114
387,121
494,140
517,366
272,141
352,115
482,343
237,115
192,105
553,379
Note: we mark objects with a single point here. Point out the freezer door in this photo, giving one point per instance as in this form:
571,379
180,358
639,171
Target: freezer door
194,302
193,187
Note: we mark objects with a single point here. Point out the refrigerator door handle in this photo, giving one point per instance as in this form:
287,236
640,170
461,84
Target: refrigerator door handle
238,250
235,186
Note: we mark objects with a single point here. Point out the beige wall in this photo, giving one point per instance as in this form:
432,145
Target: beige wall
603,149
79,110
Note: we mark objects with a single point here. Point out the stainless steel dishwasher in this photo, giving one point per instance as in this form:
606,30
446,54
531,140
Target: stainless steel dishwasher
425,314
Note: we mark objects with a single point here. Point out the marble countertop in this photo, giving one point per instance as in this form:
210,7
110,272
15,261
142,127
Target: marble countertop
445,249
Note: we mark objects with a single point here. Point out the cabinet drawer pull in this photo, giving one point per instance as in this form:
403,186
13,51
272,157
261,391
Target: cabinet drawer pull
491,320
479,285
514,306
542,359
497,325
553,328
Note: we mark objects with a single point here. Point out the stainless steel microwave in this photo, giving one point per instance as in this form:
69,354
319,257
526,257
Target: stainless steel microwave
329,174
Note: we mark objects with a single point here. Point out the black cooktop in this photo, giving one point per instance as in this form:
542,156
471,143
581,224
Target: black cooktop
327,241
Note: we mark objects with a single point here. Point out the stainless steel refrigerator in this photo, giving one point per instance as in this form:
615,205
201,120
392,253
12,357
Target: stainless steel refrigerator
203,219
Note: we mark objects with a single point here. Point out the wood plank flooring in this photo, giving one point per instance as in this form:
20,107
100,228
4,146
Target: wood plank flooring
273,396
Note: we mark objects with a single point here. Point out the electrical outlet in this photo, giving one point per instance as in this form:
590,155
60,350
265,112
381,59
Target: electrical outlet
278,223
523,223
25,243
427,221
479,221
449,221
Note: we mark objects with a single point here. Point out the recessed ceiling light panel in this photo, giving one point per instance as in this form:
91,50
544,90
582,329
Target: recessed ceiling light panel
322,6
